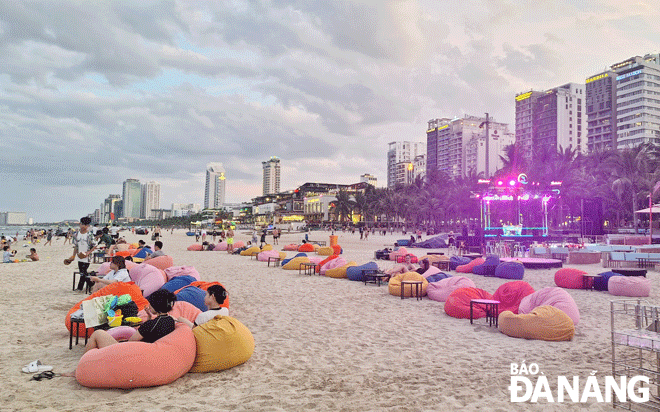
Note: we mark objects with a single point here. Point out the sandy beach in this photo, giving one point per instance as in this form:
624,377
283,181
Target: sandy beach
321,343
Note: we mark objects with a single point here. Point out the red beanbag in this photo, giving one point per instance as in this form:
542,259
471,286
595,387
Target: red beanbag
458,303
161,262
306,247
197,247
336,249
467,268
569,278
511,293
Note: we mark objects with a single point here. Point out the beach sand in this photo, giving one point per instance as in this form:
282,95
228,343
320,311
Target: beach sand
321,343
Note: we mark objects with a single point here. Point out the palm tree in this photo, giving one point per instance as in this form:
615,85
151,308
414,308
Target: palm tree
631,169
343,205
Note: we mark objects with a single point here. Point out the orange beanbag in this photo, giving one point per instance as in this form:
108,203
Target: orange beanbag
467,268
394,285
569,278
161,262
130,365
197,247
336,248
117,289
290,247
124,253
458,303
306,247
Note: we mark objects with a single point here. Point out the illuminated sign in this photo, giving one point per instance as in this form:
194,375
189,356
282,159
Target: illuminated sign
483,181
593,79
522,178
313,200
523,96
430,130
623,63
623,76
443,127
555,183
410,166
222,176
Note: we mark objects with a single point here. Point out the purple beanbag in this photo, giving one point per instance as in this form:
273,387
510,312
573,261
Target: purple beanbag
440,291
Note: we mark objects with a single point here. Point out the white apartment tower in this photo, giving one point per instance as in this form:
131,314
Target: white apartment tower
132,198
400,157
271,183
150,199
214,189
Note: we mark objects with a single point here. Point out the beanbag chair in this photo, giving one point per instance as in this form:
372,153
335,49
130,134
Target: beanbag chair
148,278
250,251
267,247
121,332
294,264
435,258
394,285
222,246
178,282
205,285
285,261
290,247
633,286
122,247
222,343
511,293
467,268
403,242
355,272
139,364
325,251
306,247
432,270
440,290
180,308
161,262
339,272
239,244
123,253
457,304
324,261
263,256
142,253
192,295
117,289
332,264
315,259
602,282
197,247
557,297
544,323
456,261
133,246
174,271
569,278
437,277
401,251
510,270
488,267
336,249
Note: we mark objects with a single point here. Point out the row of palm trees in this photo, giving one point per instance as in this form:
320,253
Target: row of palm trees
619,180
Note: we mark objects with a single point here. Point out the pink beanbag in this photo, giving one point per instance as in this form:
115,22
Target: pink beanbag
556,297
263,256
161,262
174,271
121,332
333,264
290,247
181,308
511,293
104,269
633,286
402,251
316,259
148,278
569,278
458,303
431,271
197,247
239,244
440,290
467,268
222,246
139,364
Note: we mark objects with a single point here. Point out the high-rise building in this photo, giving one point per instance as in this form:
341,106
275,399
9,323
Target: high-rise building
13,218
448,140
132,198
214,193
368,178
525,103
271,183
399,156
638,101
475,150
150,199
600,92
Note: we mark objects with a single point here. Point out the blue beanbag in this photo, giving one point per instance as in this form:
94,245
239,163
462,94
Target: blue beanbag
355,272
403,242
510,270
178,282
488,267
456,261
601,282
437,277
194,296
285,261
143,253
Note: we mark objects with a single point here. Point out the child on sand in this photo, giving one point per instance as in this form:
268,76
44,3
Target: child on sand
33,255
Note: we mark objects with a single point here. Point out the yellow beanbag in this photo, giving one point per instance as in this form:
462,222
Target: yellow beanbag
250,251
325,251
339,272
435,258
267,247
544,323
222,343
294,264
394,285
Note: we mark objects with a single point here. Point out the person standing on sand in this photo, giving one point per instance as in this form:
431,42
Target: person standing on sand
230,241
49,237
83,246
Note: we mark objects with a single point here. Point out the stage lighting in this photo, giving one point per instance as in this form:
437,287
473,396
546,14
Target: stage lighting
500,183
512,182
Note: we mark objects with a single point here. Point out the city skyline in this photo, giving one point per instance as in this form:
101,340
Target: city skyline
160,90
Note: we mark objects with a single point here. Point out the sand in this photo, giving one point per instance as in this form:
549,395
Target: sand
321,343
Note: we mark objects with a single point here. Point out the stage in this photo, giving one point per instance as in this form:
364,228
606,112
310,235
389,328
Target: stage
534,263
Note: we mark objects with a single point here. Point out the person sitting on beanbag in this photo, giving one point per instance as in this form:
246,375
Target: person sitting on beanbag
404,267
118,273
215,296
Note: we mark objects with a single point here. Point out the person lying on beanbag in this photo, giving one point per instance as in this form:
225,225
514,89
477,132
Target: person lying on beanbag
118,273
215,296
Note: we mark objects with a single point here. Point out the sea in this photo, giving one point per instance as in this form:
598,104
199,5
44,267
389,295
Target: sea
11,230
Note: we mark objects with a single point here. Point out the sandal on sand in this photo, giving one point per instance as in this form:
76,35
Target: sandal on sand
44,375
36,366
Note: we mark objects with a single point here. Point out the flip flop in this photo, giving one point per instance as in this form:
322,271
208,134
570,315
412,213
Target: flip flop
36,366
44,375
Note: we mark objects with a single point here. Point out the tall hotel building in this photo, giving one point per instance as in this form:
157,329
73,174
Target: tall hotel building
132,198
525,103
150,199
271,179
214,189
400,158
601,111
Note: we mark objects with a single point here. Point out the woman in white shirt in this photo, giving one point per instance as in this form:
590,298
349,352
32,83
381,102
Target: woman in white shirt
118,273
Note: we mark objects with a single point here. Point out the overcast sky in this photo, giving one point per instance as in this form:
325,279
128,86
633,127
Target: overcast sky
93,93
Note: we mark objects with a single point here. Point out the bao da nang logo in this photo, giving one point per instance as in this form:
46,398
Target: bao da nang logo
528,384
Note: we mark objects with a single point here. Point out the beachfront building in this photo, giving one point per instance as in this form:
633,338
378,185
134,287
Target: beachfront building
525,103
638,101
475,150
271,178
185,209
214,189
399,156
151,200
132,199
600,92
13,218
111,209
369,178
447,141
